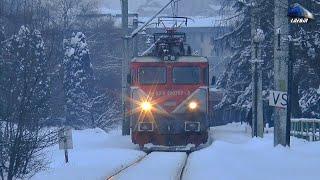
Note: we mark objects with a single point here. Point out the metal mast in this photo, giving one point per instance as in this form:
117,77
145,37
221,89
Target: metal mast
281,57
126,57
125,120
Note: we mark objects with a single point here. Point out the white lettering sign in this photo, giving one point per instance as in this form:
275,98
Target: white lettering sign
278,99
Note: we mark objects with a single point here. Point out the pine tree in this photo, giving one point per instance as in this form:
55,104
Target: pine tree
27,78
306,52
78,78
236,79
24,94
306,38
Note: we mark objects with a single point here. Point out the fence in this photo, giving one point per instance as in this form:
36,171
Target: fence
228,115
308,129
225,116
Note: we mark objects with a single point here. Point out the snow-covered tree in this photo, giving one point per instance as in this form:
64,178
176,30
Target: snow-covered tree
24,94
310,102
306,52
236,80
27,75
306,48
78,79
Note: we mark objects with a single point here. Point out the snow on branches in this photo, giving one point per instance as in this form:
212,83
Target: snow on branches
28,79
24,94
310,102
236,80
78,78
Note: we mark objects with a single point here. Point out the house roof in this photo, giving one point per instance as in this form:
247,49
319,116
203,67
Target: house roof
180,59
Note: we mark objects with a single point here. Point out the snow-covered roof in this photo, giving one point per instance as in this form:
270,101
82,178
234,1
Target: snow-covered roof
113,12
180,59
196,21
203,21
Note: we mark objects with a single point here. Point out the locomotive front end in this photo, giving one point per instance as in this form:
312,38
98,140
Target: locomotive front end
169,101
169,94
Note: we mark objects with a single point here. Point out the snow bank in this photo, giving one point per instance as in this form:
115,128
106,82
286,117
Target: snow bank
96,156
234,155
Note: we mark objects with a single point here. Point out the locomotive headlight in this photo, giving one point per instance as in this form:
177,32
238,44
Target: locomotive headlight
193,105
146,106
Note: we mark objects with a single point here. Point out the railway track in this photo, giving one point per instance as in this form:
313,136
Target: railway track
183,168
126,167
150,167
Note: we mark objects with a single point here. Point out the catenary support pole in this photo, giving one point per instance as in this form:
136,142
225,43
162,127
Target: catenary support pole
135,39
125,120
289,104
281,57
126,55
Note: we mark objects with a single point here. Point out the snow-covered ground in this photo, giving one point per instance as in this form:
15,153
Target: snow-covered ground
234,155
96,155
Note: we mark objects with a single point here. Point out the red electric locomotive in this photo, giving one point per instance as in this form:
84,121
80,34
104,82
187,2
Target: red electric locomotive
169,94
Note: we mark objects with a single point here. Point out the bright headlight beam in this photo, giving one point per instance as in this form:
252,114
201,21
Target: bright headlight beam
193,105
146,106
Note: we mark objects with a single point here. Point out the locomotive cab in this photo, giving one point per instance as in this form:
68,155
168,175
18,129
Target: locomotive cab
169,94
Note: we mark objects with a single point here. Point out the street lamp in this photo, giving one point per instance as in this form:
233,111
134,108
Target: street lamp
257,119
259,36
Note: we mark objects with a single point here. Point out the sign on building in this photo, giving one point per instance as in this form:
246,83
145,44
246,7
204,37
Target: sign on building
278,99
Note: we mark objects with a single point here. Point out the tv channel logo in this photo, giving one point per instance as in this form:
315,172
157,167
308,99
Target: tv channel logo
299,15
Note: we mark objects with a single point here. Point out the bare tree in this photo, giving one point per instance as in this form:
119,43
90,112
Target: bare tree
65,12
24,92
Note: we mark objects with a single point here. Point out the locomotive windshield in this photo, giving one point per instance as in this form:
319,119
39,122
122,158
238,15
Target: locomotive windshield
186,75
152,75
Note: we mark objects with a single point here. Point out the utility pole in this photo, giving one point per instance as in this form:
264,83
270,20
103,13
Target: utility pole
256,60
126,55
281,57
135,40
125,64
290,82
